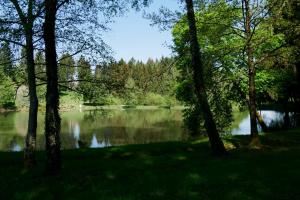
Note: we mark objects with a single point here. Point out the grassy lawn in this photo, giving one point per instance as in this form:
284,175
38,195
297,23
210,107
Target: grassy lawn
172,170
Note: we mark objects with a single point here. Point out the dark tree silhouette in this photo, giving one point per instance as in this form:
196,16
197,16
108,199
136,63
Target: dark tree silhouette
216,143
52,120
27,22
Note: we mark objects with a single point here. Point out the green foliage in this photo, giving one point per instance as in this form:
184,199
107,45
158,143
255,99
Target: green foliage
41,93
286,20
115,76
66,70
40,71
119,82
70,100
154,99
85,78
131,98
7,89
213,38
223,43
40,66
275,85
21,69
185,91
110,100
6,58
131,82
7,74
192,120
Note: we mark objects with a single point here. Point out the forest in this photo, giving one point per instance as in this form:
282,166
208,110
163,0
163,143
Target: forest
216,119
114,83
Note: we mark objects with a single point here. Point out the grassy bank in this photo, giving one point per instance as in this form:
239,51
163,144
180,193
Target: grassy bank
70,101
174,170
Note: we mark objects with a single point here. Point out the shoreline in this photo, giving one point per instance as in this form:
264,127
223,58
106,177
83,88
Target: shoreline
3,110
82,108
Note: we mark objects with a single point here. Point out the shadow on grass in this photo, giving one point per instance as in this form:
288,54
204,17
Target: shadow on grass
172,170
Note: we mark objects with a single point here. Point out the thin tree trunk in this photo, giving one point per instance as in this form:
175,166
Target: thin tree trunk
30,143
259,118
286,118
262,123
27,23
298,79
251,76
52,120
216,143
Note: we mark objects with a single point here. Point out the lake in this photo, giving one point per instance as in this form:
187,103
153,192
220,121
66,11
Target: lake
103,128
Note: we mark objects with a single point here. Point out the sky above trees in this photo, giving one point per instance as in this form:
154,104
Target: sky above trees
133,36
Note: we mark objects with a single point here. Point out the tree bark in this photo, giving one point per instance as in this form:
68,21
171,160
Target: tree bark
259,118
298,78
262,123
30,143
52,120
251,76
286,117
216,143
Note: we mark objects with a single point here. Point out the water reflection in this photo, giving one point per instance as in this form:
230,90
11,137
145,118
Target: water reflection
101,144
14,146
102,128
271,118
76,133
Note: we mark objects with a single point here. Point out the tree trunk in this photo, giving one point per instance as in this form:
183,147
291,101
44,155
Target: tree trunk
52,120
262,123
298,79
30,143
251,76
259,118
286,117
216,143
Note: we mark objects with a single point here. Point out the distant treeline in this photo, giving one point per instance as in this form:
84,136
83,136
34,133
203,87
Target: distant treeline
117,82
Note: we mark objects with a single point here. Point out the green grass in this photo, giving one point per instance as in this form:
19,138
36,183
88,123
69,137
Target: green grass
173,170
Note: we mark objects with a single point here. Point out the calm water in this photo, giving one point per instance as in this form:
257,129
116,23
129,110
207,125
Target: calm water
104,128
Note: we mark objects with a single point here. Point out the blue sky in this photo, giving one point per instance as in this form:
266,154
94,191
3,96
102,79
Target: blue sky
132,36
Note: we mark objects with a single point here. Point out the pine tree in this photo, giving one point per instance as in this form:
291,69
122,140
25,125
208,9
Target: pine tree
66,70
85,78
6,62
